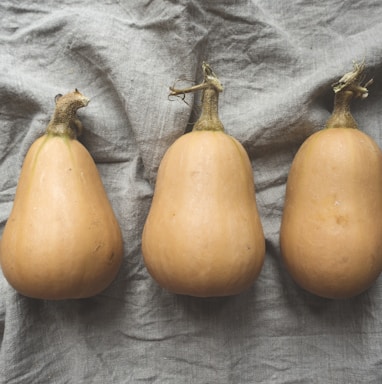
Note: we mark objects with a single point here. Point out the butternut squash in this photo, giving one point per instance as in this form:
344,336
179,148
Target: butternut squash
62,239
330,235
203,235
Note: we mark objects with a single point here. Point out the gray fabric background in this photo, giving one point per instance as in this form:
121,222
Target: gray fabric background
276,61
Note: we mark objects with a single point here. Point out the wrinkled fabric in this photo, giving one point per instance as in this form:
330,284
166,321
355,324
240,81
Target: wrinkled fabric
276,61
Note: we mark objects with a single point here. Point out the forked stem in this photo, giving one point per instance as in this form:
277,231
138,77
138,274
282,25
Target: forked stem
209,119
349,87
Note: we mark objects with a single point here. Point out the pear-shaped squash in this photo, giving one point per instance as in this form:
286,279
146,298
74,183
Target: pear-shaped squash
62,239
203,236
331,230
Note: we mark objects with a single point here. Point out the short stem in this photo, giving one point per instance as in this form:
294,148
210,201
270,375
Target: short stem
209,119
64,121
346,89
341,115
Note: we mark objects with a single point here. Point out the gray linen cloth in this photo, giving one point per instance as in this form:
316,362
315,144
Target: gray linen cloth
277,61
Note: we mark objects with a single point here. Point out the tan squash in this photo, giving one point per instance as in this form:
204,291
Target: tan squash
62,239
331,230
203,236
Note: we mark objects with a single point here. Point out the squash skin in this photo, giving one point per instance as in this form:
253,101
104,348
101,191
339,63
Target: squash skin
62,239
330,234
203,236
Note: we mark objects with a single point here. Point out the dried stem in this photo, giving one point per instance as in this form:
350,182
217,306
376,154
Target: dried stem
211,87
65,121
349,87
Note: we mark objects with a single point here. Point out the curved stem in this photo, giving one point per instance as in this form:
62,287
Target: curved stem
64,121
209,119
348,87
